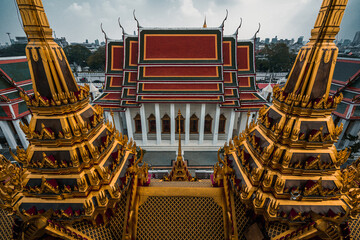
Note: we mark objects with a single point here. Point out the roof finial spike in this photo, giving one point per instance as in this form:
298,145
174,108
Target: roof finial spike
122,28
257,31
205,25
222,24
137,22
106,37
237,30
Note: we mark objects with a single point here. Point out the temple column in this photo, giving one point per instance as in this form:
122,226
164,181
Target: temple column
118,123
143,124
21,134
231,125
202,124
28,118
187,123
216,125
9,135
158,126
128,124
172,124
243,118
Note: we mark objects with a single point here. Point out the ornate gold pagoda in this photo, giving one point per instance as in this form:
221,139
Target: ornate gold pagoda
77,166
287,168
179,172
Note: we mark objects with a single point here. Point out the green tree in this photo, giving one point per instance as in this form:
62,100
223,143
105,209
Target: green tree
13,50
96,61
276,58
77,54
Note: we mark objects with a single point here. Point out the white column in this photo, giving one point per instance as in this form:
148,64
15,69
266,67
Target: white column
172,124
9,135
202,123
231,125
118,123
20,133
243,118
108,117
143,124
28,118
158,120
216,125
129,124
187,124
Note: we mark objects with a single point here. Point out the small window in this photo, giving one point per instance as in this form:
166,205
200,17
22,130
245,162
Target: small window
165,124
208,123
194,121
222,123
152,123
137,120
182,120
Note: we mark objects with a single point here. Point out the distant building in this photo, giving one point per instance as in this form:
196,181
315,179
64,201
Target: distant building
274,40
356,40
267,40
346,42
61,42
97,42
300,40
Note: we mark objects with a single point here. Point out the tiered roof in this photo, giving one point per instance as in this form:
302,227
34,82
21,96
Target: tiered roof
180,65
14,78
346,80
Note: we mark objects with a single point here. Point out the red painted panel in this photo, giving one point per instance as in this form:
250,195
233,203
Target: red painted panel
116,82
180,97
226,53
243,58
180,46
117,58
247,96
134,53
112,96
244,81
176,86
183,71
228,77
13,61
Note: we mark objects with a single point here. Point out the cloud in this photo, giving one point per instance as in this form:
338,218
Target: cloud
188,9
82,9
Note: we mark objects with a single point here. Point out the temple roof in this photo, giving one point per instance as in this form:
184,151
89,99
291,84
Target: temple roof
346,80
180,65
14,77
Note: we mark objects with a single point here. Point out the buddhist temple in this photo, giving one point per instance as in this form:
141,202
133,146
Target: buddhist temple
209,76
83,178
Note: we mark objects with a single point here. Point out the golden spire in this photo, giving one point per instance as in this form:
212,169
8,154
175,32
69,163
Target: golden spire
315,63
179,171
204,25
50,71
179,157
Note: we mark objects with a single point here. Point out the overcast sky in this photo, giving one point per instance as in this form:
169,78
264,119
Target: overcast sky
78,20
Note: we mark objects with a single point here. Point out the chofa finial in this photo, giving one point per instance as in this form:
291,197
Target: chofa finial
257,31
122,28
223,22
237,30
106,37
137,22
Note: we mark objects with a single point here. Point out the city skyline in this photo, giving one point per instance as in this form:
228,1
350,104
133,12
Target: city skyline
184,13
